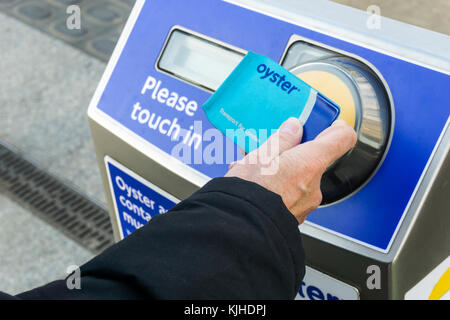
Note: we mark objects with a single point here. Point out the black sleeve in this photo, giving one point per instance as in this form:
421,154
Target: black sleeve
232,239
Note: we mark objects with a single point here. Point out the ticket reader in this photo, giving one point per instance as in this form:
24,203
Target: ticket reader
382,231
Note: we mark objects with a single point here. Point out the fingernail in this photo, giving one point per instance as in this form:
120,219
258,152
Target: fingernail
291,126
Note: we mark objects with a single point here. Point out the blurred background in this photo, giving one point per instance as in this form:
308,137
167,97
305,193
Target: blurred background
52,205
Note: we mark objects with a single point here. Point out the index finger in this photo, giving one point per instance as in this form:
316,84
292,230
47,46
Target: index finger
327,147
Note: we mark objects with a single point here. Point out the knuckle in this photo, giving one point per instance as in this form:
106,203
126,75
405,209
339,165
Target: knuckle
318,198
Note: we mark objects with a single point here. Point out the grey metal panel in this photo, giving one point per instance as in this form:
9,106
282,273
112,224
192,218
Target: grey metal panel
347,266
408,42
427,242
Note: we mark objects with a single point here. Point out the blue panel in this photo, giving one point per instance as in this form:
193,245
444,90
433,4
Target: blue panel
421,98
136,201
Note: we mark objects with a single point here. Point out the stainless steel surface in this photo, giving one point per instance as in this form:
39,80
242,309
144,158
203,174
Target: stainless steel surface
107,143
397,39
424,240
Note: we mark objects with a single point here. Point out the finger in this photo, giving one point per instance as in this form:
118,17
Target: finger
232,165
327,147
336,123
242,152
288,136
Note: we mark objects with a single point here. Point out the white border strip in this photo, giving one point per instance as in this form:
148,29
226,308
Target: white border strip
324,282
309,106
109,160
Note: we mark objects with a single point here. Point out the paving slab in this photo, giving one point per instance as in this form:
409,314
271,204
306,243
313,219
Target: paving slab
32,253
45,89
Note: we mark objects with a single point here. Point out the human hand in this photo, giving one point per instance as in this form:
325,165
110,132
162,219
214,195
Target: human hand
299,167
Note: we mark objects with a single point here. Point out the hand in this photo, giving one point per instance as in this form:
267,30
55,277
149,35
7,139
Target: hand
299,167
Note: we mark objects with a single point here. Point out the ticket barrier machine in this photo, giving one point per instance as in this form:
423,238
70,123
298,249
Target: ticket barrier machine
382,231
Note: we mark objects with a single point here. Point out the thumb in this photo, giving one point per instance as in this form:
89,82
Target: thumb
288,136
328,146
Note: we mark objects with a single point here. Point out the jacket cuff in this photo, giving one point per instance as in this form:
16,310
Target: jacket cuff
270,204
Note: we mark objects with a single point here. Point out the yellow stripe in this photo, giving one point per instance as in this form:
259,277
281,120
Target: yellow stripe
441,287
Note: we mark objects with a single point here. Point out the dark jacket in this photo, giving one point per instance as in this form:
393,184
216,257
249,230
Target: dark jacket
232,239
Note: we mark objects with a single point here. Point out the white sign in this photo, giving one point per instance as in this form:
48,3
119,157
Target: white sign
319,286
434,286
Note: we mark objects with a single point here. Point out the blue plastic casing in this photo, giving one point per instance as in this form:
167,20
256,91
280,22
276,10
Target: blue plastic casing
258,96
